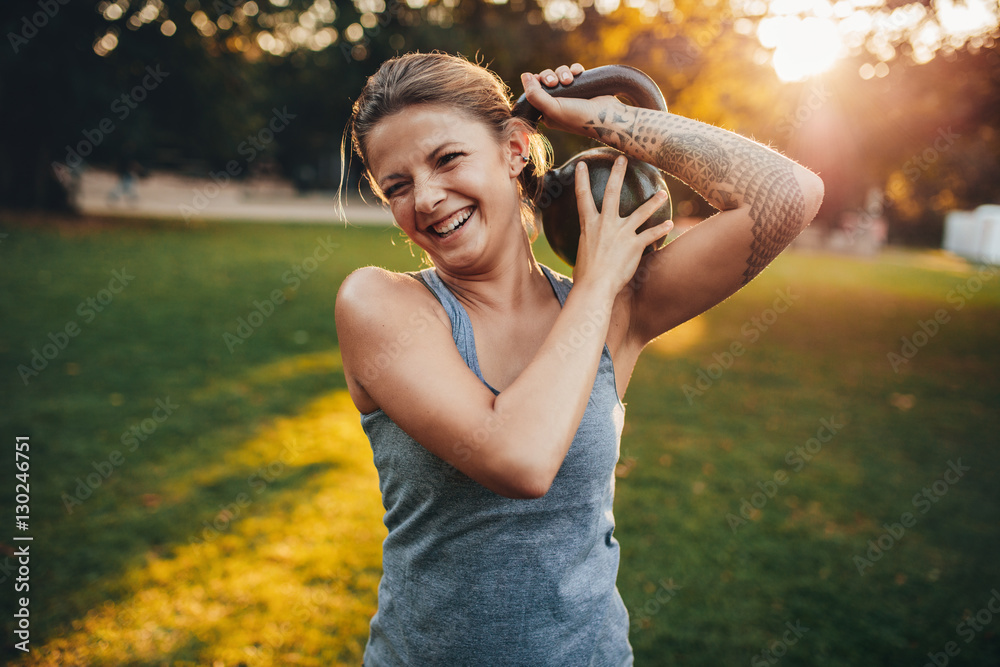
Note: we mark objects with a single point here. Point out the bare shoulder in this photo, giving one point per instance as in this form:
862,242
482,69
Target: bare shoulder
372,282
372,296
379,313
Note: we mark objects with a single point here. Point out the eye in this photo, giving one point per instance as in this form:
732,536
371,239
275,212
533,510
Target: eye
392,190
445,159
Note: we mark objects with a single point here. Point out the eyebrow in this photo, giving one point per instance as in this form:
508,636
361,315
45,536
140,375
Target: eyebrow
433,154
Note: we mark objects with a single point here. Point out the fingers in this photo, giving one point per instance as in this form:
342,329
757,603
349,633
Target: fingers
584,200
655,233
613,189
611,201
548,77
561,74
536,93
647,208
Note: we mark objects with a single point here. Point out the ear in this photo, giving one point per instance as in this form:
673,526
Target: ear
517,145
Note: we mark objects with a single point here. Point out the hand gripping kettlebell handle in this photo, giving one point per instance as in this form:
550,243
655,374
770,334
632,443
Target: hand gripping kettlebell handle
621,80
561,219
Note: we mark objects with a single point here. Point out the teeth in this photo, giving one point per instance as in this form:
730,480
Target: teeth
452,223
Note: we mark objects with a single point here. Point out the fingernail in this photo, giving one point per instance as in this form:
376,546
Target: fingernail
550,79
620,160
581,165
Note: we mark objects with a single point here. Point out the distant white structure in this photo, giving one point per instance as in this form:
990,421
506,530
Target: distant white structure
861,232
974,235
162,194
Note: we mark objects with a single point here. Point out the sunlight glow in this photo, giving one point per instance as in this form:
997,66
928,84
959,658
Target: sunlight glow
807,37
680,339
802,48
966,19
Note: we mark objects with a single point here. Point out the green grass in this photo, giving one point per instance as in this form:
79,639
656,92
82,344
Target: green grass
265,446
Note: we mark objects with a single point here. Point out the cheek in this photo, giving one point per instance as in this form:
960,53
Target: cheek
402,214
491,186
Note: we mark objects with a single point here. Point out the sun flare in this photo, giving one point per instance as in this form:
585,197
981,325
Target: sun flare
802,47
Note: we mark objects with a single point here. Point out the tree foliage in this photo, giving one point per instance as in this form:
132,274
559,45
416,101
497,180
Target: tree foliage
228,65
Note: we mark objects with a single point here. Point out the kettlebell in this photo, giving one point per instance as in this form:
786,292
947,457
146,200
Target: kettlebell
560,213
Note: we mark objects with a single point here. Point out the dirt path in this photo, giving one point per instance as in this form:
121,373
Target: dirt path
168,195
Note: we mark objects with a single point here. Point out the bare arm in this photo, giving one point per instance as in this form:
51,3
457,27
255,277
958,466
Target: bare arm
731,172
764,200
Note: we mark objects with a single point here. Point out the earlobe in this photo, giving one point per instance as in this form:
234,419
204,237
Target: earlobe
519,149
518,163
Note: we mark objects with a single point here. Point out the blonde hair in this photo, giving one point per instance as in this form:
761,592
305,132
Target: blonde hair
454,82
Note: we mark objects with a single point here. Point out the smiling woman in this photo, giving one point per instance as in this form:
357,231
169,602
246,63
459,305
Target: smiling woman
495,425
456,155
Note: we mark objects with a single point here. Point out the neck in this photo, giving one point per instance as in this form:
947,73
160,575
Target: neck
513,279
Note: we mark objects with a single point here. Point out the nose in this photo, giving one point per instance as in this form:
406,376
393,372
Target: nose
427,194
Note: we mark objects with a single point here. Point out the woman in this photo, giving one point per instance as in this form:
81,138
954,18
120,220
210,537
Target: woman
500,548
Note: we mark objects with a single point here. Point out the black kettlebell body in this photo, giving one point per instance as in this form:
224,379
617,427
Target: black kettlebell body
560,212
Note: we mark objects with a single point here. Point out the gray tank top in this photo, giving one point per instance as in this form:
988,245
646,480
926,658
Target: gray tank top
473,578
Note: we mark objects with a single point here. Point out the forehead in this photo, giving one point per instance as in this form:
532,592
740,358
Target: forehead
411,135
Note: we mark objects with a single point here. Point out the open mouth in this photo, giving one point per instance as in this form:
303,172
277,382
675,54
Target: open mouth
453,223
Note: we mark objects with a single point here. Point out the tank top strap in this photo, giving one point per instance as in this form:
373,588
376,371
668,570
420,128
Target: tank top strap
561,285
461,325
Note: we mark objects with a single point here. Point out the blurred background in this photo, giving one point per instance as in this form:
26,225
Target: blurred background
894,103
170,248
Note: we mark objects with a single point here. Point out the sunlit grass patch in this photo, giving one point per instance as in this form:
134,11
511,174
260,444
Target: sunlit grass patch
278,577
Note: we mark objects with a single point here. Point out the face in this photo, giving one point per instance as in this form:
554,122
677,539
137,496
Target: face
451,185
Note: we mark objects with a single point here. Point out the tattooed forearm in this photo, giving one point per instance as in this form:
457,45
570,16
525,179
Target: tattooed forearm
728,170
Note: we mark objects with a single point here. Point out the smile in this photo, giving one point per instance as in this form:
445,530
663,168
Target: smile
455,221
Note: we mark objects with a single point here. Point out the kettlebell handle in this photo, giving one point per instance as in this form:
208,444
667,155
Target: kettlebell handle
561,221
628,82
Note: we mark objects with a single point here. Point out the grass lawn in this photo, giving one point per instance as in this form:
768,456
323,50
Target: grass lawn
202,492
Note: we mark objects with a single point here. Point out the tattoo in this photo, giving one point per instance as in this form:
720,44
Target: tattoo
694,158
777,210
723,167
